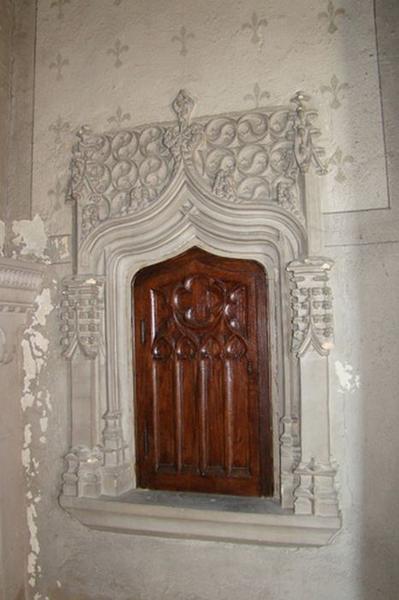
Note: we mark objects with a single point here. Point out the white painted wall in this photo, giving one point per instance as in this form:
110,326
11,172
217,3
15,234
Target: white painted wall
228,53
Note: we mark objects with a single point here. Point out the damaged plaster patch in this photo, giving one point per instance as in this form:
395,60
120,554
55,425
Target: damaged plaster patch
30,237
348,381
36,406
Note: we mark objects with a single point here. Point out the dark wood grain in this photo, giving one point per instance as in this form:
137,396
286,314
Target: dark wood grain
202,409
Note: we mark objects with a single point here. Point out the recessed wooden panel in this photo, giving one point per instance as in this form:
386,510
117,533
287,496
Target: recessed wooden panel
201,371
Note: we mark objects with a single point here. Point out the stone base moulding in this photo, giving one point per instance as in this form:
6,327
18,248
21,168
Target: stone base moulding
242,185
207,525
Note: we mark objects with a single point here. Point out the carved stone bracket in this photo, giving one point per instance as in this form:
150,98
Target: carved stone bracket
82,310
311,300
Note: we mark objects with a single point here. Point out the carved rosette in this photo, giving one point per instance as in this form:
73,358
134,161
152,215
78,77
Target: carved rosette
311,301
82,308
250,157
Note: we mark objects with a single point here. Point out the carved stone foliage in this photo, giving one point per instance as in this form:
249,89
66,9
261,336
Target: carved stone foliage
245,157
82,308
311,300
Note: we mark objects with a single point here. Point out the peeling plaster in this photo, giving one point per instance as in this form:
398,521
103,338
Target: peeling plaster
30,237
348,381
35,403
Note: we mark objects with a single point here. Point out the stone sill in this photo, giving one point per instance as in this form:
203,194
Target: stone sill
237,520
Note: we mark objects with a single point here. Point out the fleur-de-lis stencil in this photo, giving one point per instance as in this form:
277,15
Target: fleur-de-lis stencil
59,127
58,193
116,51
119,117
335,88
59,4
330,15
182,38
257,96
255,25
58,64
337,162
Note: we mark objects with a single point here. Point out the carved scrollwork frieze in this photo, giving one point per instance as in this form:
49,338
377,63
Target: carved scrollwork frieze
311,301
256,156
82,308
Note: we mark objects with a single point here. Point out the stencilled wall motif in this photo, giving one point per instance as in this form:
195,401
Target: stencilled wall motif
141,75
330,16
256,27
58,64
182,39
257,97
116,51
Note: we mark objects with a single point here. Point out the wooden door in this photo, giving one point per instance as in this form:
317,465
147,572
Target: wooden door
201,371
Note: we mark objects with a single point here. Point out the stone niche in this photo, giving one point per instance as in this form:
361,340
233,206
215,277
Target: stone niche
242,185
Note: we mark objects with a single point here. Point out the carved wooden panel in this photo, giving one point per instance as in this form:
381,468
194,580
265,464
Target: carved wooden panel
202,400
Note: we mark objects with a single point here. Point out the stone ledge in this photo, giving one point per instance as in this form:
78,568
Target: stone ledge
202,524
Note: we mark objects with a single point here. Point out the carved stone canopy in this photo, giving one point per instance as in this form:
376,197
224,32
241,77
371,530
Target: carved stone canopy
243,158
237,185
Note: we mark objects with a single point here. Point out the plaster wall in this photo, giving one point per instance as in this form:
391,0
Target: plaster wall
110,63
5,93
12,484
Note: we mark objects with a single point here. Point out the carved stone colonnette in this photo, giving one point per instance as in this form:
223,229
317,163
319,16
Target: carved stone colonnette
242,185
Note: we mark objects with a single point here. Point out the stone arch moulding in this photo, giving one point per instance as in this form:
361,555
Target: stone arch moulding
244,185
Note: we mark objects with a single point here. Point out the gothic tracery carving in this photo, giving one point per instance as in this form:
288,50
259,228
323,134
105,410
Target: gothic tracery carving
256,156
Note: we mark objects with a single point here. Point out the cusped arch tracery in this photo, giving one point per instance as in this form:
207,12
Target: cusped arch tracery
236,161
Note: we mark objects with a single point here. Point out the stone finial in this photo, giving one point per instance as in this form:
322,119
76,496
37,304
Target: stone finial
183,106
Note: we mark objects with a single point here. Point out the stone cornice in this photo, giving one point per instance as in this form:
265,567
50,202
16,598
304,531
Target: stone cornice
19,284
